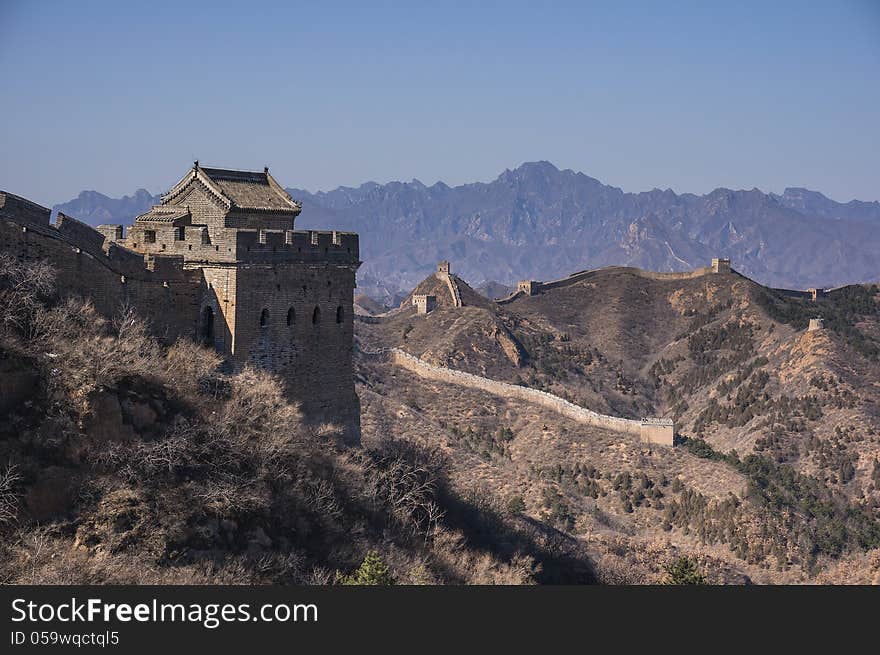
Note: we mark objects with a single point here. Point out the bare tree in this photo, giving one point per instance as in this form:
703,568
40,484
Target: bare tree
23,288
8,495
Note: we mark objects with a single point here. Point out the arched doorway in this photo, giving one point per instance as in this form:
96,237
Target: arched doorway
208,327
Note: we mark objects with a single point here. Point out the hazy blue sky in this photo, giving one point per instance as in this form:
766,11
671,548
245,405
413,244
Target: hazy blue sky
113,96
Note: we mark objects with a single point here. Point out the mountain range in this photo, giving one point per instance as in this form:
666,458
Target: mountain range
539,222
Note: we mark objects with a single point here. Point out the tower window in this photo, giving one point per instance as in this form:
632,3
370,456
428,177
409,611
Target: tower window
316,316
340,314
264,318
291,317
149,236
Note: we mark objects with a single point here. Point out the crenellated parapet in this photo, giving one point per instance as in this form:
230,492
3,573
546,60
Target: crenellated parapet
219,261
89,264
296,245
81,240
230,245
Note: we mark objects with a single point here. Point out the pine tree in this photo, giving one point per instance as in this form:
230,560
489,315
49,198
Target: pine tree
683,571
373,571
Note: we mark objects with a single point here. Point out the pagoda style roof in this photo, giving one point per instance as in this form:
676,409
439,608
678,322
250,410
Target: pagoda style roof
174,214
244,190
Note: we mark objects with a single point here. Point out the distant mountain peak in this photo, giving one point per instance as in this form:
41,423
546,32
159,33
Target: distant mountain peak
542,165
539,222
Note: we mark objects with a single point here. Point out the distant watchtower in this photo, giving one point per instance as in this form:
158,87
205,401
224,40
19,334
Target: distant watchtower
424,304
815,293
658,430
816,324
720,265
528,287
444,268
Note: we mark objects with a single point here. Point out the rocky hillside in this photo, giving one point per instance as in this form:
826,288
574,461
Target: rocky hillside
124,461
788,418
539,222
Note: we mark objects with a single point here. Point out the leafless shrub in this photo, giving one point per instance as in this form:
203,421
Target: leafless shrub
323,500
8,495
286,567
234,496
319,576
407,482
87,352
23,288
187,365
144,459
258,419
35,546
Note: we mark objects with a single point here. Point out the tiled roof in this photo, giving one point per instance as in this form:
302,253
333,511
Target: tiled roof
164,214
249,190
237,190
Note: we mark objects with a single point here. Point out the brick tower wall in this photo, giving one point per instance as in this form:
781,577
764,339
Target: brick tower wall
314,359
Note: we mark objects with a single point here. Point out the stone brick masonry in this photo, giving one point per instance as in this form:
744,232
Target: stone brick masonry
219,261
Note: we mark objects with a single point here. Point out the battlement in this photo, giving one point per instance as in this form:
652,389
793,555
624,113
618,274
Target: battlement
81,240
816,324
218,261
230,245
23,211
253,245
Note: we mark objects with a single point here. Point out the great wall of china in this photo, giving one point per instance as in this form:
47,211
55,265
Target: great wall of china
218,261
533,287
650,430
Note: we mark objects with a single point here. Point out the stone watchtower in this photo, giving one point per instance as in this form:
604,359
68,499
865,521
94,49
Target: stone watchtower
424,304
271,296
720,265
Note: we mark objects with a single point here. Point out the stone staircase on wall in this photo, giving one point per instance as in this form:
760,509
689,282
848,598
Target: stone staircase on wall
453,288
